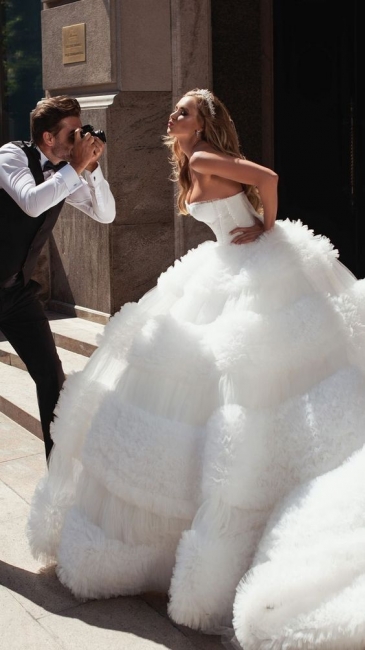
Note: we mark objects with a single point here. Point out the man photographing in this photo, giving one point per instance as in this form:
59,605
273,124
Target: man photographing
36,178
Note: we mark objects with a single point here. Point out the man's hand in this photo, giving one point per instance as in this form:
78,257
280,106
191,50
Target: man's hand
85,152
247,234
99,146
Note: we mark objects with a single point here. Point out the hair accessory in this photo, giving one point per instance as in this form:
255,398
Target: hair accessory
208,96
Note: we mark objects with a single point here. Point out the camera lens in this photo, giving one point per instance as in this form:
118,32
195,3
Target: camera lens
88,128
100,134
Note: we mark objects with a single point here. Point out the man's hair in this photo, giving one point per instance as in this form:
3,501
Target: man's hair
49,113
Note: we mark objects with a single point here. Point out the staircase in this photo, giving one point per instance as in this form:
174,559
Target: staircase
76,340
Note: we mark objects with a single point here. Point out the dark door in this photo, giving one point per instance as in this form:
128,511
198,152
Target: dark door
319,95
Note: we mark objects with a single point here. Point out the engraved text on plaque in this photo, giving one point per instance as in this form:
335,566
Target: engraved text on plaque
73,43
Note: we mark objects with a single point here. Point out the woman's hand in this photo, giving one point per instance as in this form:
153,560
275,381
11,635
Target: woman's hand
247,234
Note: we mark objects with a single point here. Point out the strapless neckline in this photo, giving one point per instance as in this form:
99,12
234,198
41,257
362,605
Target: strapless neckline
213,200
223,215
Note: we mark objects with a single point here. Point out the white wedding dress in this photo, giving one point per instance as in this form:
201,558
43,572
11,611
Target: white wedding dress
202,438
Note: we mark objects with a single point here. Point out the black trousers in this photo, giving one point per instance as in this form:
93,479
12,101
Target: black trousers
25,325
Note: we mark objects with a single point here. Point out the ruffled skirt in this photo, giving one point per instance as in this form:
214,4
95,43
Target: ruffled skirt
239,378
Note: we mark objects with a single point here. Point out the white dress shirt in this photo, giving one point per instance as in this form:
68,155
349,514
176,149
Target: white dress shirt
91,194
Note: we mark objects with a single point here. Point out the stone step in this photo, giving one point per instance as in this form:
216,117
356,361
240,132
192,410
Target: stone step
75,338
75,334
71,361
18,398
81,312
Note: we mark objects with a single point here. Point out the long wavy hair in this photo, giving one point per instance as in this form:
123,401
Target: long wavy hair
219,131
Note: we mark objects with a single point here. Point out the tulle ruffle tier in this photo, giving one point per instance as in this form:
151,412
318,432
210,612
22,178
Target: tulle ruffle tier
239,377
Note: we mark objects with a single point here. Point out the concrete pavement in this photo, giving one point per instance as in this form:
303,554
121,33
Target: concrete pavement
36,611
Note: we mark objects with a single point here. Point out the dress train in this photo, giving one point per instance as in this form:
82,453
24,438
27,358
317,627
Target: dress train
200,447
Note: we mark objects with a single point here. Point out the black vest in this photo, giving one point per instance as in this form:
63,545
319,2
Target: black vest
22,237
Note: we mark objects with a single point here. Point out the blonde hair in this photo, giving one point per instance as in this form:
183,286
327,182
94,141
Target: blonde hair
219,131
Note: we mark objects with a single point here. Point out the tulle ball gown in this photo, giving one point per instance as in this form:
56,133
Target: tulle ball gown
212,446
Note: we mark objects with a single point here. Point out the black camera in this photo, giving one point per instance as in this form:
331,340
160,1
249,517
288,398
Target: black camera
88,128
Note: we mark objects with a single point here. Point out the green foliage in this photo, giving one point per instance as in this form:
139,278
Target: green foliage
21,60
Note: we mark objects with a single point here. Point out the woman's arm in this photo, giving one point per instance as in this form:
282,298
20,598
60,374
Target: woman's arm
242,171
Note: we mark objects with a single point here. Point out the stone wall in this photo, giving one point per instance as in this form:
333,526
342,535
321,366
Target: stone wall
141,56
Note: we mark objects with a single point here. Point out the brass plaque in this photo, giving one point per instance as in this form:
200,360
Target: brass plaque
74,43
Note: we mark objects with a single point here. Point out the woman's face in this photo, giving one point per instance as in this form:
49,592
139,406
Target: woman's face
185,120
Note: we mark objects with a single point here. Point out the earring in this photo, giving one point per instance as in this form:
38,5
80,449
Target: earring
198,133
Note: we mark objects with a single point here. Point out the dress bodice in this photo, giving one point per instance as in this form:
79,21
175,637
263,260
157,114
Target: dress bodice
223,215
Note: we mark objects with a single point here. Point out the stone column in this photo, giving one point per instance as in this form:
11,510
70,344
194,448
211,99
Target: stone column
124,87
191,68
141,55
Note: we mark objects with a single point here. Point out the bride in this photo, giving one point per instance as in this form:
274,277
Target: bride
212,446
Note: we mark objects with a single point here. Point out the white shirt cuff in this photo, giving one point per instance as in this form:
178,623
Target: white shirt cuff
70,177
94,178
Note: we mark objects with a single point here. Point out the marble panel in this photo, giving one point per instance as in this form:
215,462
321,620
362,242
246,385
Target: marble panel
142,240
140,254
191,45
139,175
191,68
80,261
100,65
145,45
79,246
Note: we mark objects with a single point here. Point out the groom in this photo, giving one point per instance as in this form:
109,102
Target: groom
36,178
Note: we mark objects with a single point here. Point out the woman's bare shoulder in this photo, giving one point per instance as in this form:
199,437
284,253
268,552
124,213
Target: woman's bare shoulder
210,161
208,152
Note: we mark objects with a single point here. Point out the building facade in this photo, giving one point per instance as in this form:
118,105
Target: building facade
290,75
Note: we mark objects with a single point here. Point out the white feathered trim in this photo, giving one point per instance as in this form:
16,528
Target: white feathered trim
210,559
307,586
148,461
93,566
50,502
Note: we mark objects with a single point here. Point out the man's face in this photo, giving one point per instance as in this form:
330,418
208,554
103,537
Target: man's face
62,143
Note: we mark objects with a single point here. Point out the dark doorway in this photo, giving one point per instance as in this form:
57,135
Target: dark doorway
319,97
